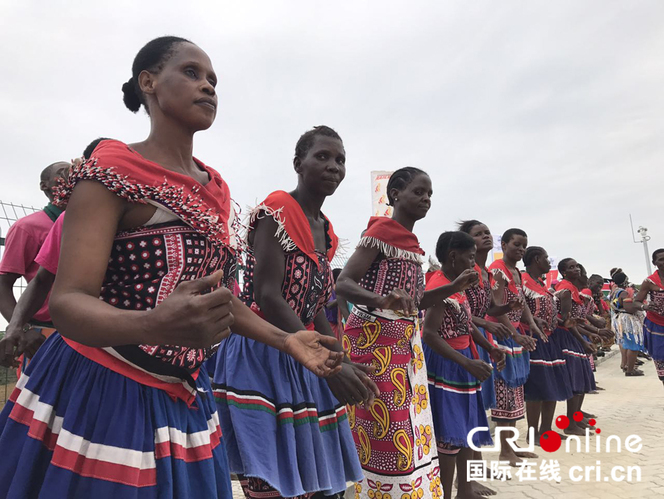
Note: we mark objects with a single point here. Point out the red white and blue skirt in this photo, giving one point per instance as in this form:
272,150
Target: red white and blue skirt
74,428
488,388
282,425
653,336
579,369
548,379
456,403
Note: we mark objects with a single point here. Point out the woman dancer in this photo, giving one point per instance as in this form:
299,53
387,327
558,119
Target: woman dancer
384,279
653,326
572,310
286,430
507,289
548,381
455,369
102,410
627,322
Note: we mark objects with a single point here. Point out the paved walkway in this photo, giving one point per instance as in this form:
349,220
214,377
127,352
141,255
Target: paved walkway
628,406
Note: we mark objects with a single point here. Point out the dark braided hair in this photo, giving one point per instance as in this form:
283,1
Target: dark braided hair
150,58
306,141
532,252
467,225
92,146
400,179
452,240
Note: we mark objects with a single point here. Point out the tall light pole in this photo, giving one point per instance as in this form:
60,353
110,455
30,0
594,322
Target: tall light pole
643,232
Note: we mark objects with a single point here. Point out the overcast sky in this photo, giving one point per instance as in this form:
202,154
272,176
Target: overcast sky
542,115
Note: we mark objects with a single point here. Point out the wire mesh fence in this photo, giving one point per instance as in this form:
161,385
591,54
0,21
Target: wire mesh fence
10,213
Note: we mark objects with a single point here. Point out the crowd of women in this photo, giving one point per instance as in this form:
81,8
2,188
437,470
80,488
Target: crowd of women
155,358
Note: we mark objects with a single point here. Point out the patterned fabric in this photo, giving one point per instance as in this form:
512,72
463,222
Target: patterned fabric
304,445
578,310
479,296
394,437
627,327
517,360
656,312
541,302
129,421
206,208
457,316
510,405
659,368
145,267
387,274
307,285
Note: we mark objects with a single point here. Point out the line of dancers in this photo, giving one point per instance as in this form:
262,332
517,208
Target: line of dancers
161,382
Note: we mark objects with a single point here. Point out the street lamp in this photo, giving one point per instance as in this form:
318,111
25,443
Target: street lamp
643,232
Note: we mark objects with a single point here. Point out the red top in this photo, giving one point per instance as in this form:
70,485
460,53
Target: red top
24,239
457,324
293,224
49,254
147,263
656,315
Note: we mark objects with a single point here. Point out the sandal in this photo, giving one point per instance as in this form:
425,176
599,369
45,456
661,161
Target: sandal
635,372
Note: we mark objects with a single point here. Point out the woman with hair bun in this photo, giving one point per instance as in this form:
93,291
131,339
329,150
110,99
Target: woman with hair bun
627,323
653,326
455,370
384,279
548,381
118,402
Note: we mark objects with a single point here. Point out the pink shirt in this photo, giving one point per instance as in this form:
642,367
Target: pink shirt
49,254
24,240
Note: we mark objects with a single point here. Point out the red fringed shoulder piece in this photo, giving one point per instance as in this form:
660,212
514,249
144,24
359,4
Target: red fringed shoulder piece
293,230
206,208
499,267
392,239
565,284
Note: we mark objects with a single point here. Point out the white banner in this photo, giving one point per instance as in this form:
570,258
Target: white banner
379,206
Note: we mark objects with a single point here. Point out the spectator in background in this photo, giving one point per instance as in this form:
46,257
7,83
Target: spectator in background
24,336
24,239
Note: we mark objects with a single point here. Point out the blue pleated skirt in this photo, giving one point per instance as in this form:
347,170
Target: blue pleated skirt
580,372
281,423
488,388
548,379
74,428
653,337
456,401
517,363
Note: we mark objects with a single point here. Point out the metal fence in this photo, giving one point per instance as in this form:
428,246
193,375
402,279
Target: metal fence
10,213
